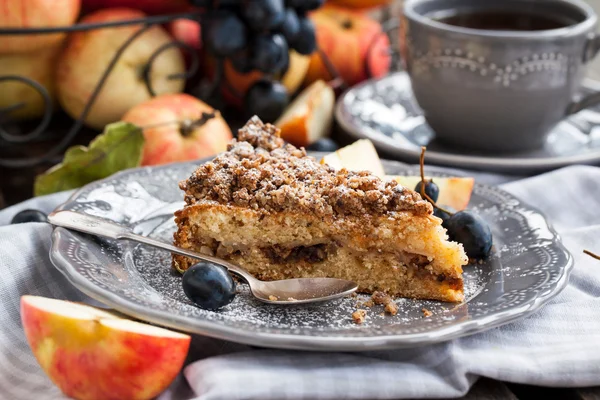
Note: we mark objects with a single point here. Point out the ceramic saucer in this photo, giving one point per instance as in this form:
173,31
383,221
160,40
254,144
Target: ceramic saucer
385,111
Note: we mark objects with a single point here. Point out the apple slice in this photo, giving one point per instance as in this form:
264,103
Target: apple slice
358,156
310,115
94,354
454,191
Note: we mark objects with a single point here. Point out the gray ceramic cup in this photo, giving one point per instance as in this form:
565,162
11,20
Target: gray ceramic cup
497,90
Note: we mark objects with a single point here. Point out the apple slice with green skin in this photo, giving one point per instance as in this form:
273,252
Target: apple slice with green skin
94,354
455,192
310,115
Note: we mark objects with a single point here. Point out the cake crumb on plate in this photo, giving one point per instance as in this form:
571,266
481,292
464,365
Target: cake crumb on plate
427,313
391,308
359,316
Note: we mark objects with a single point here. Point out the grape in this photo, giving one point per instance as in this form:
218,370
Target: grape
264,14
225,33
431,189
270,53
267,99
29,215
208,285
291,25
305,42
241,62
472,232
305,5
323,144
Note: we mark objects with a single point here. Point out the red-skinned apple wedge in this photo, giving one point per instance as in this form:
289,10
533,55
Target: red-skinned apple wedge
87,55
35,14
310,115
174,137
91,354
353,42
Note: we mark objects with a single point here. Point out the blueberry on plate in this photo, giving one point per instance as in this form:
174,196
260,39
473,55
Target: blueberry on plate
472,231
208,285
444,213
323,144
431,189
29,216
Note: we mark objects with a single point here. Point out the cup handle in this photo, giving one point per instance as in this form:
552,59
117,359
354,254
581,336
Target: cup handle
591,49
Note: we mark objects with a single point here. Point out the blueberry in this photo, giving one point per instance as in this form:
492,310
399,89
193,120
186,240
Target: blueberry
208,285
264,14
305,5
443,215
267,99
431,189
323,144
225,33
270,53
472,231
291,25
306,40
29,216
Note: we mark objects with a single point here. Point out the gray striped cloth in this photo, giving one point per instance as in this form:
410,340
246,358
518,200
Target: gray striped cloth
558,346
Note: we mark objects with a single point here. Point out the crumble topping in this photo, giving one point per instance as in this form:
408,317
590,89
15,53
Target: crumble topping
359,316
261,172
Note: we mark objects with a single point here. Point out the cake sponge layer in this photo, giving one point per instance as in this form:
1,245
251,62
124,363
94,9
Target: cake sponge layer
399,253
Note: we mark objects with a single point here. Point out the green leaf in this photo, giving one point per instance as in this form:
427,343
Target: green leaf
119,147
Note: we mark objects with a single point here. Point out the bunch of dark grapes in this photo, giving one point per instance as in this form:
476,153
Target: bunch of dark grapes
257,35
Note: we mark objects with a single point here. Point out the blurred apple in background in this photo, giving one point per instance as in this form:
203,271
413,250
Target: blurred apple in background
94,354
354,43
35,14
187,31
360,4
147,6
39,66
87,55
174,136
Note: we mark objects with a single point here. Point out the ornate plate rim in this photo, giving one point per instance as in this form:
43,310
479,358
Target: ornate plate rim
462,161
295,341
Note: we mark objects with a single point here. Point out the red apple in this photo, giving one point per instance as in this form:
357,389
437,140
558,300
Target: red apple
186,31
35,14
87,55
39,66
354,43
147,6
174,137
94,354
